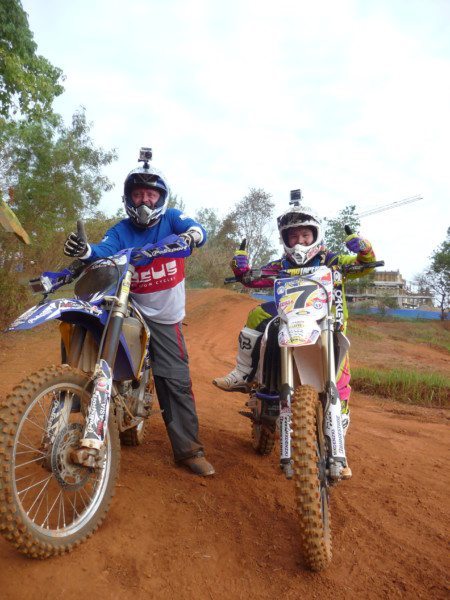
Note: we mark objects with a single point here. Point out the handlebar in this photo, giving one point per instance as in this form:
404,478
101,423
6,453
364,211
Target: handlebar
171,247
255,274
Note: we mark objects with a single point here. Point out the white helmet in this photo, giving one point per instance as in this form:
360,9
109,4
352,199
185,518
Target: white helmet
298,216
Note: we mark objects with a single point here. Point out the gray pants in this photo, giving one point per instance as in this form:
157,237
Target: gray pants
170,365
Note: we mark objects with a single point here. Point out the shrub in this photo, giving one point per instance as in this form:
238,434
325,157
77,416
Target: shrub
14,297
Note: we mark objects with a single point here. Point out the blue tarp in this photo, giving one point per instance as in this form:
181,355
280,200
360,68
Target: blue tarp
401,313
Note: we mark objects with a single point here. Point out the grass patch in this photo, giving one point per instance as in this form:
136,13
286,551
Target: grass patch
433,334
363,332
411,387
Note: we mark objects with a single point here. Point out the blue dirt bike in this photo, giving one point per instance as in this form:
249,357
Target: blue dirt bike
61,428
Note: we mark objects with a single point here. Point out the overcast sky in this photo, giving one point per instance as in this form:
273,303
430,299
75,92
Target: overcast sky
348,100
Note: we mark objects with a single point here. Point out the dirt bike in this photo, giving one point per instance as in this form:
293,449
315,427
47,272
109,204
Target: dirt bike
295,393
61,428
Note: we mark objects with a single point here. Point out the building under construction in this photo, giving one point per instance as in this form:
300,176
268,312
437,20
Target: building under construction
389,284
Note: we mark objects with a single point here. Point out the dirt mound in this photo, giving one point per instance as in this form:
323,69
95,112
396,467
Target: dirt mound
172,535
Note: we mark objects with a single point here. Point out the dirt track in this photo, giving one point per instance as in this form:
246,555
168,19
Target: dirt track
171,535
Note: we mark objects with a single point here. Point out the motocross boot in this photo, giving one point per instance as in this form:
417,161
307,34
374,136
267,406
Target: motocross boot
239,379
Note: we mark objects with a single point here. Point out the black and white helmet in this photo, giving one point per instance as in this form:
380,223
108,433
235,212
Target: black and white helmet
298,216
145,216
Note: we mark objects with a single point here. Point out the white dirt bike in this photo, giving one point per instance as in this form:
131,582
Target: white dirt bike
295,392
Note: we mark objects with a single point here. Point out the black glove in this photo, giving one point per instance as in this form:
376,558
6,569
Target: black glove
75,246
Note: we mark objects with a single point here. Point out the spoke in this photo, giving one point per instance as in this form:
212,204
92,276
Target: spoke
34,485
32,445
46,520
35,424
26,493
31,450
82,499
38,508
61,502
40,493
24,477
73,504
29,462
32,419
94,479
39,403
63,511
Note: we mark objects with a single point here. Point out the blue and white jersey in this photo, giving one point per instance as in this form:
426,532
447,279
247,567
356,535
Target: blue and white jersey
157,288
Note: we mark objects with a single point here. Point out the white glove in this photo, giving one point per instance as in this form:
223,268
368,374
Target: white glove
192,237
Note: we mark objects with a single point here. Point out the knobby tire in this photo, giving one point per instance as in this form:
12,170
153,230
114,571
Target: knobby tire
311,492
82,495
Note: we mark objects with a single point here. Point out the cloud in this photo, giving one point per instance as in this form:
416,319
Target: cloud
347,100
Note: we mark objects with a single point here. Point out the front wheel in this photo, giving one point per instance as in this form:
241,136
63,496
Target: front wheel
311,489
49,504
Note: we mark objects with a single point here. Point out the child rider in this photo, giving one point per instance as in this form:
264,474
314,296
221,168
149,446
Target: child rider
301,236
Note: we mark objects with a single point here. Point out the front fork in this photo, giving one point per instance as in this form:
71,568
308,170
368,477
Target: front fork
90,453
334,432
287,389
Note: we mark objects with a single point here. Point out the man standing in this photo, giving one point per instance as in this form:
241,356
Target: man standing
158,290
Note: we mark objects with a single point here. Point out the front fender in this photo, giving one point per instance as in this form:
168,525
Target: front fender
53,309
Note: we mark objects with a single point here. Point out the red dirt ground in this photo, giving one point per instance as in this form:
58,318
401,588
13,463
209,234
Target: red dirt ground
170,534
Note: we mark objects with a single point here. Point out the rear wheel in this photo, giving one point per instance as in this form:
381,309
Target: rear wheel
311,489
133,436
49,504
263,434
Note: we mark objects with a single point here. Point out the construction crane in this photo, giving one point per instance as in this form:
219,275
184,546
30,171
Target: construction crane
377,209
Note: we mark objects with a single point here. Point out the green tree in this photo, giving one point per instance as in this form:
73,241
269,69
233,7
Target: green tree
210,221
385,302
335,229
175,202
252,219
56,173
360,285
436,277
28,82
211,263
